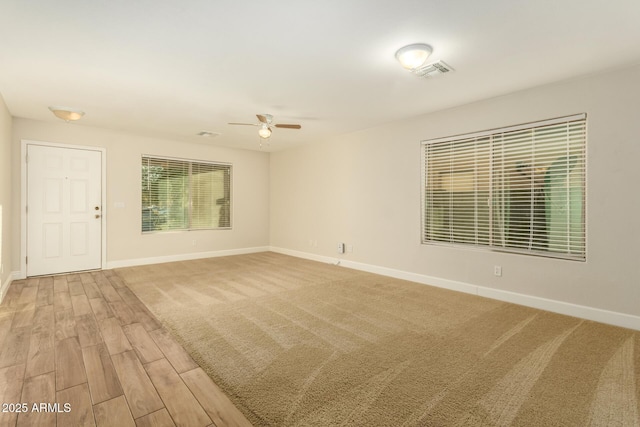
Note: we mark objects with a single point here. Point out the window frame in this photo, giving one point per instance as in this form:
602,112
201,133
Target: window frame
189,163
491,133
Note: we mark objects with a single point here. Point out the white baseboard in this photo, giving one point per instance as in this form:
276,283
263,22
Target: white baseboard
582,311
305,255
183,257
14,275
569,309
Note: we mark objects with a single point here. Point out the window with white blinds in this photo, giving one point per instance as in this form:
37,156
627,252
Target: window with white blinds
185,195
517,189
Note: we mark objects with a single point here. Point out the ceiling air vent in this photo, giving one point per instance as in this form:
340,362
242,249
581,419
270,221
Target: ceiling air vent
207,134
434,69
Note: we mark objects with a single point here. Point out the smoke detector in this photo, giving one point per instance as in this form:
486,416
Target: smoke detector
433,69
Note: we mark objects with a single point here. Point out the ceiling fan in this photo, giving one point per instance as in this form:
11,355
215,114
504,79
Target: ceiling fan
266,122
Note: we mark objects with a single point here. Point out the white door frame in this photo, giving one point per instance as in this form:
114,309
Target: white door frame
23,197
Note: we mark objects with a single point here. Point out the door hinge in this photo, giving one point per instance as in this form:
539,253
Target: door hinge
26,260
26,209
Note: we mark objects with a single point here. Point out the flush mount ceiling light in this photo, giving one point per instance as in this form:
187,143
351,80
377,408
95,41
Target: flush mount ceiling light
413,55
264,131
67,114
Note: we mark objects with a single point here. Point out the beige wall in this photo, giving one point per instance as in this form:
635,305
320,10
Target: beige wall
5,192
364,189
250,216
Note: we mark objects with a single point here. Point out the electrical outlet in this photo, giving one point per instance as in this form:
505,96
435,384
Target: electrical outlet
497,270
349,248
340,248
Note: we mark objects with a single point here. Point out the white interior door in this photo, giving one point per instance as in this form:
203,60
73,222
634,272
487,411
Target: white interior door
64,212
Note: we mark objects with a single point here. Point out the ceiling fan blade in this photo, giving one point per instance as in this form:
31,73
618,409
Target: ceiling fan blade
262,118
244,124
288,126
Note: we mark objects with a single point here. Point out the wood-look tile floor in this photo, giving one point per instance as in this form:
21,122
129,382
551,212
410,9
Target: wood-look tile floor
85,342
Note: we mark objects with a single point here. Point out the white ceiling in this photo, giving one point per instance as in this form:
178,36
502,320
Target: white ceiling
175,68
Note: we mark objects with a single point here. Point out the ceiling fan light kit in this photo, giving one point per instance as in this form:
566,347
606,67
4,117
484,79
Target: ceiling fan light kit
264,131
266,123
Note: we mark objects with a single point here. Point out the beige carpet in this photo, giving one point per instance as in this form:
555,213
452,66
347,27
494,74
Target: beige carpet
300,343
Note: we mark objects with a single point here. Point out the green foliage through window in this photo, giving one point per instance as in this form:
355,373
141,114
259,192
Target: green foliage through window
185,195
519,189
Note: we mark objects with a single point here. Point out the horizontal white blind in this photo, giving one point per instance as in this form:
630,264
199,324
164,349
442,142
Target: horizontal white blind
210,195
519,190
458,174
184,195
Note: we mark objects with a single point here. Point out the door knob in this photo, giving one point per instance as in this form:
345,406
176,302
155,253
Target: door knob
97,216
97,208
